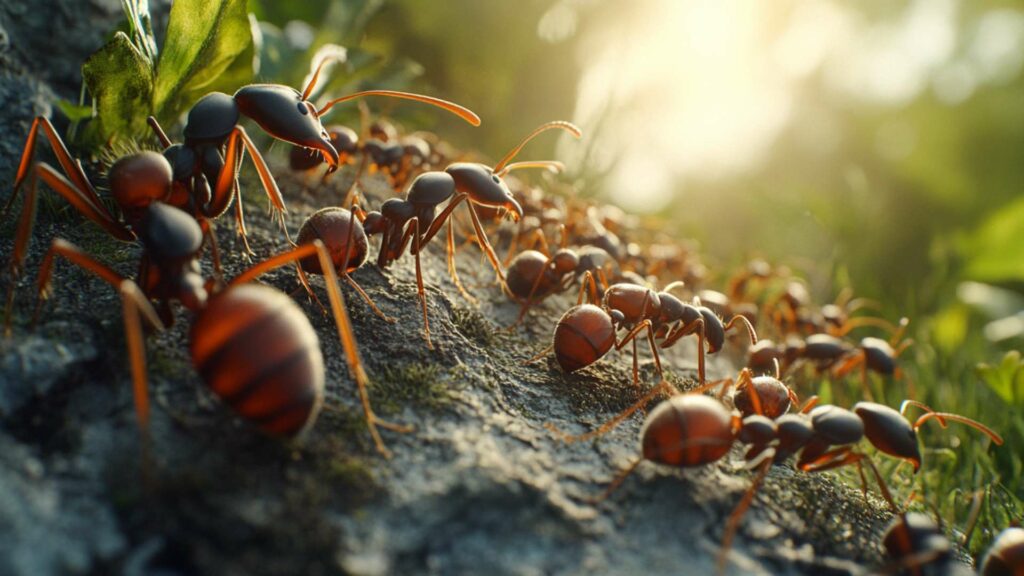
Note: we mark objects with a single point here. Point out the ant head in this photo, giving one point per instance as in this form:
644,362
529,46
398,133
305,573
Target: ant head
565,261
889,431
617,317
374,223
484,187
284,114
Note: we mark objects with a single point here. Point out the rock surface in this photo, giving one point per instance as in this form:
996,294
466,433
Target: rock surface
481,486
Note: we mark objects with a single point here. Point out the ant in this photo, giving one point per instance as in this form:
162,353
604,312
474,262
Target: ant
914,541
250,343
534,275
692,430
344,237
410,222
679,319
1006,555
204,169
586,332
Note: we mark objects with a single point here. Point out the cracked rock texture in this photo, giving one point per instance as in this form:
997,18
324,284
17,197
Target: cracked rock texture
480,487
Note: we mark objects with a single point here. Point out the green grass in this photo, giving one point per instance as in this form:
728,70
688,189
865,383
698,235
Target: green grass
962,468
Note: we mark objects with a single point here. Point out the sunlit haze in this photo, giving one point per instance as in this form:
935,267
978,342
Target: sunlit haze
674,93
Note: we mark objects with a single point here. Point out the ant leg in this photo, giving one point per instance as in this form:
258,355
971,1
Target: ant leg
366,297
351,193
854,361
615,483
452,272
746,324
733,523
70,166
854,323
695,327
224,190
210,237
240,220
345,332
135,308
809,404
413,232
746,381
539,355
485,245
304,281
660,388
481,238
78,200
343,270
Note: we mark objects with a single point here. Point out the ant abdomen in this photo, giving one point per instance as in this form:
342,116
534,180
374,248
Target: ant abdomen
583,335
255,348
333,226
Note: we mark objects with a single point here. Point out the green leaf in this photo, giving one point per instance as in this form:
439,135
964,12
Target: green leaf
997,250
204,40
1006,379
120,79
74,112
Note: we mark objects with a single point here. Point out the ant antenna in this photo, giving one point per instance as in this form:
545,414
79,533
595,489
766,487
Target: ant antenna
460,111
550,165
559,124
335,53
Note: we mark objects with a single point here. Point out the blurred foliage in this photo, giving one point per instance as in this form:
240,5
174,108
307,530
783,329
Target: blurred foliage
208,46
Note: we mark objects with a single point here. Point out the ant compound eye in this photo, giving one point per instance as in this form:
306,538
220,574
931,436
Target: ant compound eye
303,108
496,179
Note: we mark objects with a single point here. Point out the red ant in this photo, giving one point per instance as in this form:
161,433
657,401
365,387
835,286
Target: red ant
410,222
250,343
679,319
534,275
586,332
342,233
204,169
1006,555
914,542
692,430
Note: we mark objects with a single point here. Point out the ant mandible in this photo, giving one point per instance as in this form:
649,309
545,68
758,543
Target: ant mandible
250,343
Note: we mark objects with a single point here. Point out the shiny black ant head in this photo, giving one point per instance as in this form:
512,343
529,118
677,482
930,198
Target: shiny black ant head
714,330
879,356
172,239
484,187
889,431
416,148
565,261
282,113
